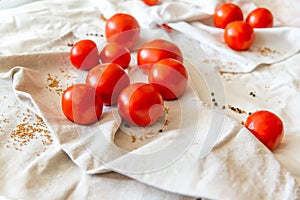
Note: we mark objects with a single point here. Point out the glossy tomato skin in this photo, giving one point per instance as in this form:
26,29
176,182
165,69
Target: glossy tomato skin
156,50
122,29
170,78
226,13
151,2
140,104
115,53
81,104
84,55
239,35
109,80
267,127
260,18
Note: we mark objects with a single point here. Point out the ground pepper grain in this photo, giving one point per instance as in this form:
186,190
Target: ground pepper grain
236,109
31,127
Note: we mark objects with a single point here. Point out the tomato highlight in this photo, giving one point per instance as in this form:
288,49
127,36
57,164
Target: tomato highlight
239,35
109,80
122,29
226,13
115,53
140,104
82,104
267,127
84,55
260,18
170,78
153,51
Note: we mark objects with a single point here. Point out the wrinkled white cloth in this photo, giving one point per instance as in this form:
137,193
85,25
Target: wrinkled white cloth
271,45
92,147
235,167
39,171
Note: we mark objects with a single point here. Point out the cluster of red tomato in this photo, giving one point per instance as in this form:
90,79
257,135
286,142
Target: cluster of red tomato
142,103
239,35
108,83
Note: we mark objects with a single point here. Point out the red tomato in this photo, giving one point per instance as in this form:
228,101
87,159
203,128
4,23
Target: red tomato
82,104
84,55
267,127
170,78
109,80
140,104
156,50
260,18
150,2
226,13
239,35
115,53
122,29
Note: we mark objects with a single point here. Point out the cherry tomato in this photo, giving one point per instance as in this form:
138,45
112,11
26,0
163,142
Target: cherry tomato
260,18
226,13
115,53
150,2
122,29
82,104
109,80
170,78
156,50
267,127
239,35
84,55
140,104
